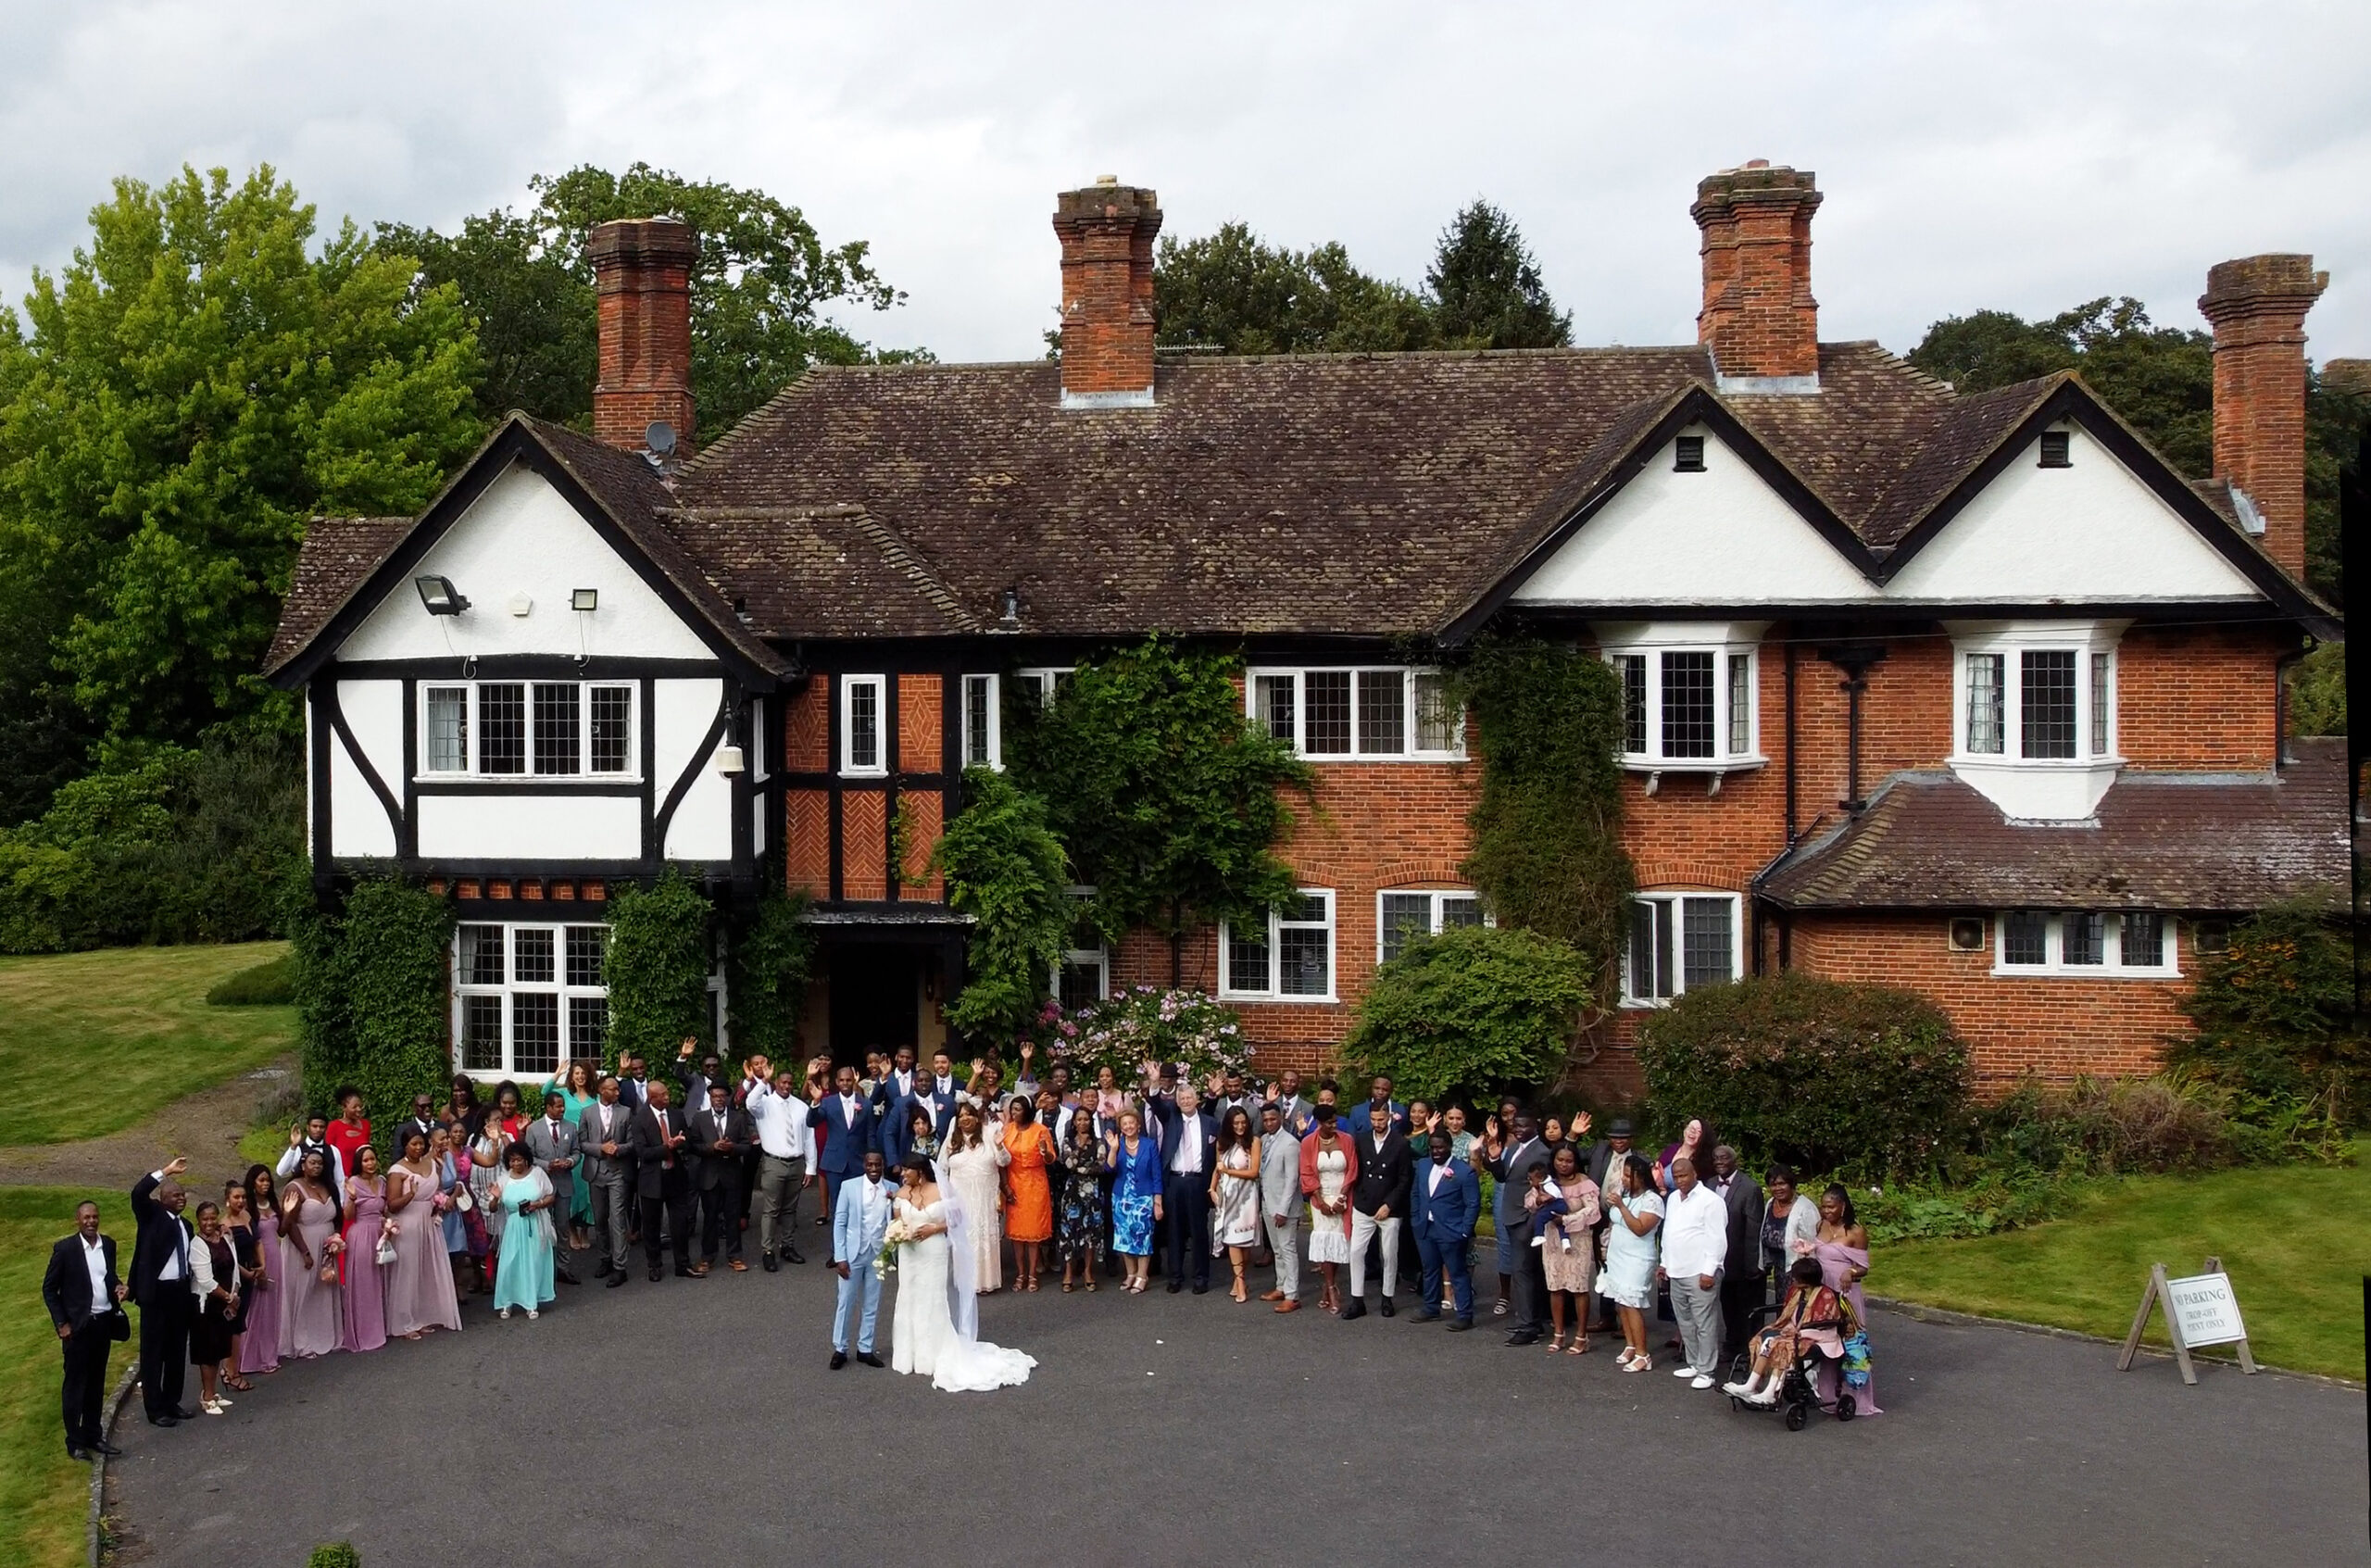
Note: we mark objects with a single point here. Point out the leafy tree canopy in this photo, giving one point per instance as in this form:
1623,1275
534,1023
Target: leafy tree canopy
1485,288
196,382
758,291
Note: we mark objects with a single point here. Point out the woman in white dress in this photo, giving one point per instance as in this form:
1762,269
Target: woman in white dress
973,1165
1327,1163
934,1330
1235,1194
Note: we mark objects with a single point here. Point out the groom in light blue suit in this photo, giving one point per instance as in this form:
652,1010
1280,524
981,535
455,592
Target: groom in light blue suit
860,1225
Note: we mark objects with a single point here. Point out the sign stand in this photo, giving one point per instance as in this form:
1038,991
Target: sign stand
2200,1311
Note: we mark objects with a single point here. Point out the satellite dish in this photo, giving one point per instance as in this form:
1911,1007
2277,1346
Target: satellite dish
660,437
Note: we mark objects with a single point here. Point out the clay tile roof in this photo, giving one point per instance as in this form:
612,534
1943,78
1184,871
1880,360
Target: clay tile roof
1946,441
338,553
2220,842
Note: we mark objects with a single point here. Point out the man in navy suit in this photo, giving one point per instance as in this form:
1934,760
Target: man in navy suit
161,1284
1190,1136
847,1120
1446,1204
898,1120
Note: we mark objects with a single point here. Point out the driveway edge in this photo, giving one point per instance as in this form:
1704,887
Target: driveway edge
1971,1320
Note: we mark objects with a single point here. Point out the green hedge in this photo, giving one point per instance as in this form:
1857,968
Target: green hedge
372,996
1474,1010
1824,1075
271,984
657,969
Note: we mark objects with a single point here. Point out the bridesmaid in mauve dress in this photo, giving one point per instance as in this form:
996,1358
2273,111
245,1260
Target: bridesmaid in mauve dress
363,1306
419,1282
308,1318
260,1347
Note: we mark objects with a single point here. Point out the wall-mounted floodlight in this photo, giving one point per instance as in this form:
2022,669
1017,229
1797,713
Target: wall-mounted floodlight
585,598
439,594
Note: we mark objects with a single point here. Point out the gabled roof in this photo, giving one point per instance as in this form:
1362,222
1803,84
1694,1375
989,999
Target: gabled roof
2207,842
348,566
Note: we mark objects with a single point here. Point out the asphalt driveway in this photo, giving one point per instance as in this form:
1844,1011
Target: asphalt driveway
696,1422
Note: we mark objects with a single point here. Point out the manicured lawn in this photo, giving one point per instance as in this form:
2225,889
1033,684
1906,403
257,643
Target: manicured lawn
2296,1241
91,1043
43,1495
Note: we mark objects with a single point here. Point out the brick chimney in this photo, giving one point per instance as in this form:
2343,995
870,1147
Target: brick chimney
2257,307
642,279
1107,231
1759,319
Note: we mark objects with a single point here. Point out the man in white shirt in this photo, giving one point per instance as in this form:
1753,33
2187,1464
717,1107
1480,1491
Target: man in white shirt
1695,1246
783,1169
1187,1135
161,1284
303,1140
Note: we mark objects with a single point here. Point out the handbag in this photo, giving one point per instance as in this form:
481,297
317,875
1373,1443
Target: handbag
462,1200
1604,1283
386,1252
118,1324
1856,1359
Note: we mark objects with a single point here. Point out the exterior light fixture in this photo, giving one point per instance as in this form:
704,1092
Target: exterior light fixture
585,598
728,760
439,594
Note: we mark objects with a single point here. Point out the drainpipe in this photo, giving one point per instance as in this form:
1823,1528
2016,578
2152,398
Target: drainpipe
1790,744
1855,658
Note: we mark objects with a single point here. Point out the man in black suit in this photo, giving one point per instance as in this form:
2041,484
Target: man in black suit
1744,1281
422,1120
662,1182
1188,1134
722,1134
1378,1199
161,1284
1509,1163
80,1291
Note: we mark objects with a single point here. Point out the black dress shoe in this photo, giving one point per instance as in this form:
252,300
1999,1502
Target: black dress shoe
83,1454
602,1270
1423,1317
1386,1308
1524,1337
565,1277
687,1273
869,1358
1354,1312
839,1360
657,1274
771,1267
1175,1286
1202,1289
164,1421
1462,1326
617,1278
109,1450
794,1254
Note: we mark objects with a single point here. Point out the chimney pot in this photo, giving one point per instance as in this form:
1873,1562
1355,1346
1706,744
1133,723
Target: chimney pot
1759,320
1107,231
2257,307
642,283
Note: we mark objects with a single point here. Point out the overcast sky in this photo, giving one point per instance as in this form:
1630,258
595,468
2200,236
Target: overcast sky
1975,153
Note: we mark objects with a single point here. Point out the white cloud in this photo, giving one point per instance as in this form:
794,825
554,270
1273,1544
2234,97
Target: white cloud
2021,155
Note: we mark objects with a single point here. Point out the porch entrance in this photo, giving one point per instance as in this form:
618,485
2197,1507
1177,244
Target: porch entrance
875,998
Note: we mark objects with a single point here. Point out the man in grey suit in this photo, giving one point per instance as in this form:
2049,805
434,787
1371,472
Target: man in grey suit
1510,1166
1281,1204
551,1143
721,1136
605,1145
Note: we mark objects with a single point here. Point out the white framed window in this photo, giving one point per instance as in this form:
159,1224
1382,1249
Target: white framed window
1395,713
527,997
527,729
2134,944
2045,695
864,716
1678,942
1690,695
1043,685
1084,974
983,722
1402,913
1288,958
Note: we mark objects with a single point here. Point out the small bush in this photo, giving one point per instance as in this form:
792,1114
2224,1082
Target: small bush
335,1554
271,984
657,969
1825,1074
1475,1010
2273,1019
1138,1024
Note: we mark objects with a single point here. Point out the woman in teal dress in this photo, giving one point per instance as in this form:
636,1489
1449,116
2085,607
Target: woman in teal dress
575,1085
524,1196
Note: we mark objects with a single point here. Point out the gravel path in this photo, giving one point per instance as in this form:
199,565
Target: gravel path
205,1126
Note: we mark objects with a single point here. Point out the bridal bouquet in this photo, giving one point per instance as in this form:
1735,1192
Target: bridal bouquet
898,1233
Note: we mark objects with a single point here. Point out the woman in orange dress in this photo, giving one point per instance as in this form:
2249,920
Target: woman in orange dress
1029,1197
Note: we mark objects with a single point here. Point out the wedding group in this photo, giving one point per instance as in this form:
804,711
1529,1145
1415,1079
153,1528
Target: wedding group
954,1188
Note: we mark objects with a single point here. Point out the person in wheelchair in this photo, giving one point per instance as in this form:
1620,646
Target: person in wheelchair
1813,1320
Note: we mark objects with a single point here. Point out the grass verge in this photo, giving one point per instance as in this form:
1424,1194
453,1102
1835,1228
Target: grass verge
2295,1239
43,1495
92,1043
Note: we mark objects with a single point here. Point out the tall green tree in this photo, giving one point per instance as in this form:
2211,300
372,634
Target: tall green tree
202,378
759,292
1485,287
1234,292
1169,801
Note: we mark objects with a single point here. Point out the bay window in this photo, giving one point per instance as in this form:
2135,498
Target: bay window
2037,704
1689,699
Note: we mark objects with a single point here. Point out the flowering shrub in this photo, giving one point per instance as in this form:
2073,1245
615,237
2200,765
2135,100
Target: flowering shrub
1141,1024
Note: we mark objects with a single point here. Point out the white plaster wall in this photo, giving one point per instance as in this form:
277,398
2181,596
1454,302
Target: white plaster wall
2093,532
521,537
702,828
1722,536
359,824
554,827
374,711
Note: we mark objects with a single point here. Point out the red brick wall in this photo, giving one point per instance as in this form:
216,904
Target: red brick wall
807,726
921,748
865,844
2202,697
807,828
925,814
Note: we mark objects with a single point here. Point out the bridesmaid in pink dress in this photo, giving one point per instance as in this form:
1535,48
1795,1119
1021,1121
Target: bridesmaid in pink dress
260,1347
363,1307
308,1318
419,1282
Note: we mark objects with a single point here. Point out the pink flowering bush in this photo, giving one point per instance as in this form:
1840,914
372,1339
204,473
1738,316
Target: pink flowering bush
1138,1024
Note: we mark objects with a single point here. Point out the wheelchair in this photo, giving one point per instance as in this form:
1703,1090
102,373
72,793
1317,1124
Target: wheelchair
1799,1384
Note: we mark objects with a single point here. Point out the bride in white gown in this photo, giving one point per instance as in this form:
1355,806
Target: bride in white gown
934,1330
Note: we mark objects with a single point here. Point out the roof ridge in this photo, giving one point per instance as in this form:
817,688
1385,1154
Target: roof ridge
904,558
700,459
